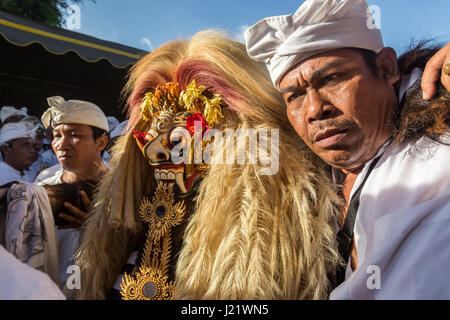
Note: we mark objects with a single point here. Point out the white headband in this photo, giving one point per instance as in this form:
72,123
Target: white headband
7,112
14,130
317,26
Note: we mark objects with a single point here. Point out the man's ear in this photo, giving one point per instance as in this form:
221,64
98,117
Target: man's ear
102,142
388,66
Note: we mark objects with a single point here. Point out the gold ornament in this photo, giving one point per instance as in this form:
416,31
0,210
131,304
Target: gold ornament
151,281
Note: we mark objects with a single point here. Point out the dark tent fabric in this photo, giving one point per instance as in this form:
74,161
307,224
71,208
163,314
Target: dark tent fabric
39,61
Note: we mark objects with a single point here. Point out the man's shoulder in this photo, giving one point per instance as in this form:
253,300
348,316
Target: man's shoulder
424,151
417,171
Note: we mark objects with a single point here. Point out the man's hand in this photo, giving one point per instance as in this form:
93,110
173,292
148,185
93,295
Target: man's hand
434,69
78,216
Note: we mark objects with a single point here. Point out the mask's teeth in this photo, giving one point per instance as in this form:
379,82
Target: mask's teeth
180,182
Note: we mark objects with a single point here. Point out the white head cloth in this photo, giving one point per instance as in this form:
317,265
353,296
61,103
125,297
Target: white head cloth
14,130
318,26
8,111
119,130
112,123
74,111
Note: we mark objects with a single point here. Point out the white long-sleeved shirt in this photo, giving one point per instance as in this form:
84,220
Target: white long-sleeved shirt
9,174
402,228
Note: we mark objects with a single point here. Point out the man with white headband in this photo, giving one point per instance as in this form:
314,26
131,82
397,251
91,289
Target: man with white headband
80,135
361,110
16,143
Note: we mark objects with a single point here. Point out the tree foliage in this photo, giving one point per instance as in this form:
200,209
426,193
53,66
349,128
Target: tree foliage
52,12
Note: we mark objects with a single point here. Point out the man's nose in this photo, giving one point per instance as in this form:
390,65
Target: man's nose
62,143
317,108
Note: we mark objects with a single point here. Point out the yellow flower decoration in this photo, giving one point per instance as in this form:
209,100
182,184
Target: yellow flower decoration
168,97
164,98
213,110
193,99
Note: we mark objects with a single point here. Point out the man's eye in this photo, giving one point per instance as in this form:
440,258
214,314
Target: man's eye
331,78
294,96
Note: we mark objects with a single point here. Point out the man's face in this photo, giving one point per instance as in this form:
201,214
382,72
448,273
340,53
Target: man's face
21,153
75,147
340,108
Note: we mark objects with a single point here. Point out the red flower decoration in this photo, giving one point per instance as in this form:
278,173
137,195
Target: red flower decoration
140,137
194,120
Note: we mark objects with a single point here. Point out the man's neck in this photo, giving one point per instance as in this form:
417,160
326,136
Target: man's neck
94,173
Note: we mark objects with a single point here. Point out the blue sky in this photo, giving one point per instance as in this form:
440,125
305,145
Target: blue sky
147,24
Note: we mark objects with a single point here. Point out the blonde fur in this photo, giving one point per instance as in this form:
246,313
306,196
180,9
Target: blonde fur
251,236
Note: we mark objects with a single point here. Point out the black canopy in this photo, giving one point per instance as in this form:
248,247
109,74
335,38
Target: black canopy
39,61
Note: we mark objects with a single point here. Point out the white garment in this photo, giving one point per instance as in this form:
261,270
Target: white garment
21,282
49,157
29,231
317,26
9,174
68,239
402,228
52,173
119,130
32,172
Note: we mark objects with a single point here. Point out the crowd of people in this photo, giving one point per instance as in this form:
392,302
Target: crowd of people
357,208
67,159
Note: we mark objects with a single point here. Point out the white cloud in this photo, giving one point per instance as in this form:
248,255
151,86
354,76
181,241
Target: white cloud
239,35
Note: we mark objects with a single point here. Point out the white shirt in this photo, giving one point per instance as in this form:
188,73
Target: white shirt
50,176
9,174
402,228
19,281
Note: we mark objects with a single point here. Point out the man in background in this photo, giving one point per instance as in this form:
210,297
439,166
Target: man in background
18,153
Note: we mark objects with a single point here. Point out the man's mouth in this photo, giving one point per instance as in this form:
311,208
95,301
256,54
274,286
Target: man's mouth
330,137
64,156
